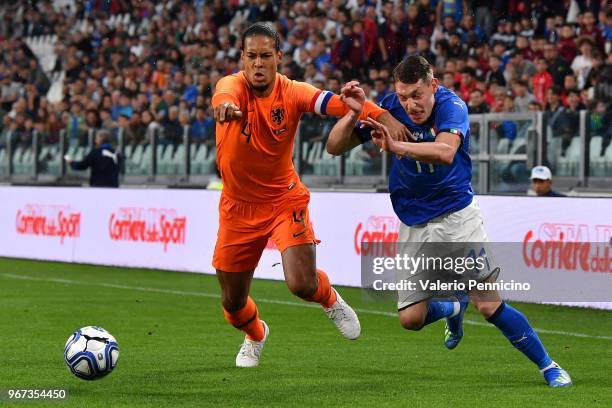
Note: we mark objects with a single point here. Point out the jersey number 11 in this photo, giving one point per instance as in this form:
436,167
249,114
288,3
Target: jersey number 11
420,168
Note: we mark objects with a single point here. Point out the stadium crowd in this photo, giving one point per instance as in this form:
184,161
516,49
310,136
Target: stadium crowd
157,65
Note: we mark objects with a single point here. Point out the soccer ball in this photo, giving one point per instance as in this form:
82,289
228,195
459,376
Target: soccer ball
91,353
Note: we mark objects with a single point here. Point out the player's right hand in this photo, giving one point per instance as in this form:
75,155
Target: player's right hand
381,136
398,131
226,112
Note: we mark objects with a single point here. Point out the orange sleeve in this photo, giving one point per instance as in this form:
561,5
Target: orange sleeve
228,89
313,100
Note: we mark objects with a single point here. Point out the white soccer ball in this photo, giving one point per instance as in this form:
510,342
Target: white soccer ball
91,353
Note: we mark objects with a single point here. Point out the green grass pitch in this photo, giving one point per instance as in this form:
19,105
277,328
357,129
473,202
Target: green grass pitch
177,350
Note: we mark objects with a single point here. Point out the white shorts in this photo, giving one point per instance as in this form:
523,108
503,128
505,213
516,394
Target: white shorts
460,226
454,228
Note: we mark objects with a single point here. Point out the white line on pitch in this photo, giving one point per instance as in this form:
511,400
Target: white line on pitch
261,300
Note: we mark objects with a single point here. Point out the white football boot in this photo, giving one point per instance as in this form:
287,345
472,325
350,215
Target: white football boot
344,317
249,353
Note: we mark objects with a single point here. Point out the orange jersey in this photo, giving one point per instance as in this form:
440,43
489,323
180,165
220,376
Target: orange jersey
254,153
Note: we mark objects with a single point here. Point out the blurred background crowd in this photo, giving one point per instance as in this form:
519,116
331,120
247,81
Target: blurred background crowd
137,64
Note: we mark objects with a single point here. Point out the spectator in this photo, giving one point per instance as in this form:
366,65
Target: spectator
455,48
124,127
190,90
522,97
534,106
477,103
596,71
541,182
203,128
107,120
484,17
321,56
75,125
411,25
508,129
567,43
441,53
553,99
567,124
523,47
105,162
542,80
389,36
523,69
137,128
423,48
9,91
589,29
499,94
583,63
352,50
504,34
448,81
92,121
569,83
173,131
496,72
472,34
607,30
450,9
21,129
468,83
382,90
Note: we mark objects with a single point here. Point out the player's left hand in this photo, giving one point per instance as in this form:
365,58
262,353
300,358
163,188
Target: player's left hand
381,136
353,96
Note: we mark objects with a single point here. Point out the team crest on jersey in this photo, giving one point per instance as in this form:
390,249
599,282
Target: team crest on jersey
278,115
422,135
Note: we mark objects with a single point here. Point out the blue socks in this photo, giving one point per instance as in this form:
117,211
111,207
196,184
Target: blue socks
438,310
514,325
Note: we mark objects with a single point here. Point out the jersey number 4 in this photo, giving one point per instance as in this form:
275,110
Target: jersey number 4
419,167
246,131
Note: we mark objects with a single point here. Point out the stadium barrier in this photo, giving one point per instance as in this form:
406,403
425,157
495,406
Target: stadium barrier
503,147
176,229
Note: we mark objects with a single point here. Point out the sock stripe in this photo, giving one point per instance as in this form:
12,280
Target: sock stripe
248,321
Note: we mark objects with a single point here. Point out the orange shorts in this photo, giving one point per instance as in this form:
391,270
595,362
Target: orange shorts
244,229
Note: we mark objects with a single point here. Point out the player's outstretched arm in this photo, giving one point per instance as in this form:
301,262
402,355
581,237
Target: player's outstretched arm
83,164
440,151
344,135
310,99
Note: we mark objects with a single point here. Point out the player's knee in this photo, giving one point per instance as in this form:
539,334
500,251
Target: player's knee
486,309
302,288
411,321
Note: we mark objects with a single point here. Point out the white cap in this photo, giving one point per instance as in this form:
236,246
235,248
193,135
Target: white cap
541,173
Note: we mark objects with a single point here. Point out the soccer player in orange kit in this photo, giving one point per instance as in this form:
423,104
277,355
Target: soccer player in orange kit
257,112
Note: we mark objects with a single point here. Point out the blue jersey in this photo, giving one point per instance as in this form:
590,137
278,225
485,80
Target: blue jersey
421,191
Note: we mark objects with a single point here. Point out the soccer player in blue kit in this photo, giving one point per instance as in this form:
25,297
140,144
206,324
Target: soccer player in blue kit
431,193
